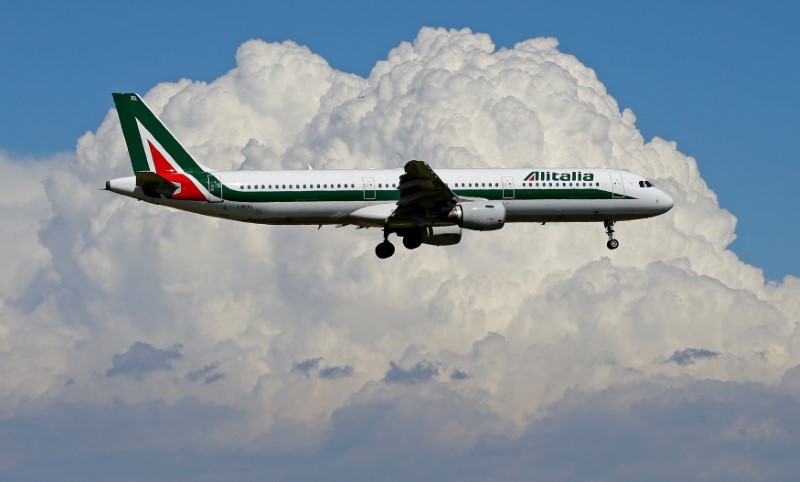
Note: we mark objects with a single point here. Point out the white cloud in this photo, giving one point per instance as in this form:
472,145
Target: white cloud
540,322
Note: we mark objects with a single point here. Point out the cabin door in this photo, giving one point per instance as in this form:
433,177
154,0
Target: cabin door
508,187
617,188
215,188
369,188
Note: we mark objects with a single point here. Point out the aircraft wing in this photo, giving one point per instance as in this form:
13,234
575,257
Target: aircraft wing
420,186
423,196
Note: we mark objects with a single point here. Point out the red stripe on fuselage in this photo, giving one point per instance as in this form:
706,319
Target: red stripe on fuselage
188,191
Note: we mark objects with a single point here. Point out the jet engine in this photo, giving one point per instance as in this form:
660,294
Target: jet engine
441,235
479,215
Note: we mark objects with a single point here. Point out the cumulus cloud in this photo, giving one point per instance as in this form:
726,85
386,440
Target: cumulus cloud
543,339
420,372
307,365
332,373
310,365
142,358
208,374
689,355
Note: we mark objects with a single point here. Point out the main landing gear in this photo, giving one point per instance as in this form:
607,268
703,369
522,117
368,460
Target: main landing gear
612,243
412,239
384,250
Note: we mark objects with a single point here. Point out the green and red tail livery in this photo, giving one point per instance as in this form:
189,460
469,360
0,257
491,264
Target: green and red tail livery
153,148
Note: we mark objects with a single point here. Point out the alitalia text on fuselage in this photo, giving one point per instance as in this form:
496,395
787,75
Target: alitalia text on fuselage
560,176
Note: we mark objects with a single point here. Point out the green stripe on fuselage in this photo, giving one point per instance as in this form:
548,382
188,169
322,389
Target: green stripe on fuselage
303,195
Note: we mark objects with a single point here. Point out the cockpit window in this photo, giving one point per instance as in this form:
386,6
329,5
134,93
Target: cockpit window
645,184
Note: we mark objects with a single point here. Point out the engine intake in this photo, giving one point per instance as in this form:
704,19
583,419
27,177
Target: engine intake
479,215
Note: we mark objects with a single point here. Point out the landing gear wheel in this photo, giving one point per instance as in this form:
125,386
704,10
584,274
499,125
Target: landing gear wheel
384,250
612,243
412,241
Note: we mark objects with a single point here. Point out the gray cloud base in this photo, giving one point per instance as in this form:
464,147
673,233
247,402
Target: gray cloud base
531,349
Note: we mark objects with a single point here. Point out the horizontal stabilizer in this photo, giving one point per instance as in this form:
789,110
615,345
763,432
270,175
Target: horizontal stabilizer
151,182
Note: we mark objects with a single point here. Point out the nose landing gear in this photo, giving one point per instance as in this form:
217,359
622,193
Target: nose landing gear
612,243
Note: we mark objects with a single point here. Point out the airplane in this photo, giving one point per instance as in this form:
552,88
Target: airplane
419,204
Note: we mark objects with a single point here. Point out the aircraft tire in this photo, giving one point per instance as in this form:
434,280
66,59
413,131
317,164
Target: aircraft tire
384,250
612,244
412,241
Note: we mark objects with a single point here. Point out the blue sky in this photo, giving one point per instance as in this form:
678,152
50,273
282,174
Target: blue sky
719,78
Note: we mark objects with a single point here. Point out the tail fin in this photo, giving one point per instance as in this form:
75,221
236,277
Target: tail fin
161,164
151,145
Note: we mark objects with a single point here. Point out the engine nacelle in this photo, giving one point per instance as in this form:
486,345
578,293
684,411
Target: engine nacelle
479,215
441,235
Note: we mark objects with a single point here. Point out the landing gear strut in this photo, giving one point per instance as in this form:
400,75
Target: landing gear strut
612,243
385,249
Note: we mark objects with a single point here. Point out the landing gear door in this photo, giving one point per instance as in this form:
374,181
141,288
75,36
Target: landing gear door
617,187
215,188
369,188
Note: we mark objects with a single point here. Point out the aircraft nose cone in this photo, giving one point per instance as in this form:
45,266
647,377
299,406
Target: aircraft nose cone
665,201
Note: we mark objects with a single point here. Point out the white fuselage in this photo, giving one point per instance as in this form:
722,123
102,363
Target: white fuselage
319,197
